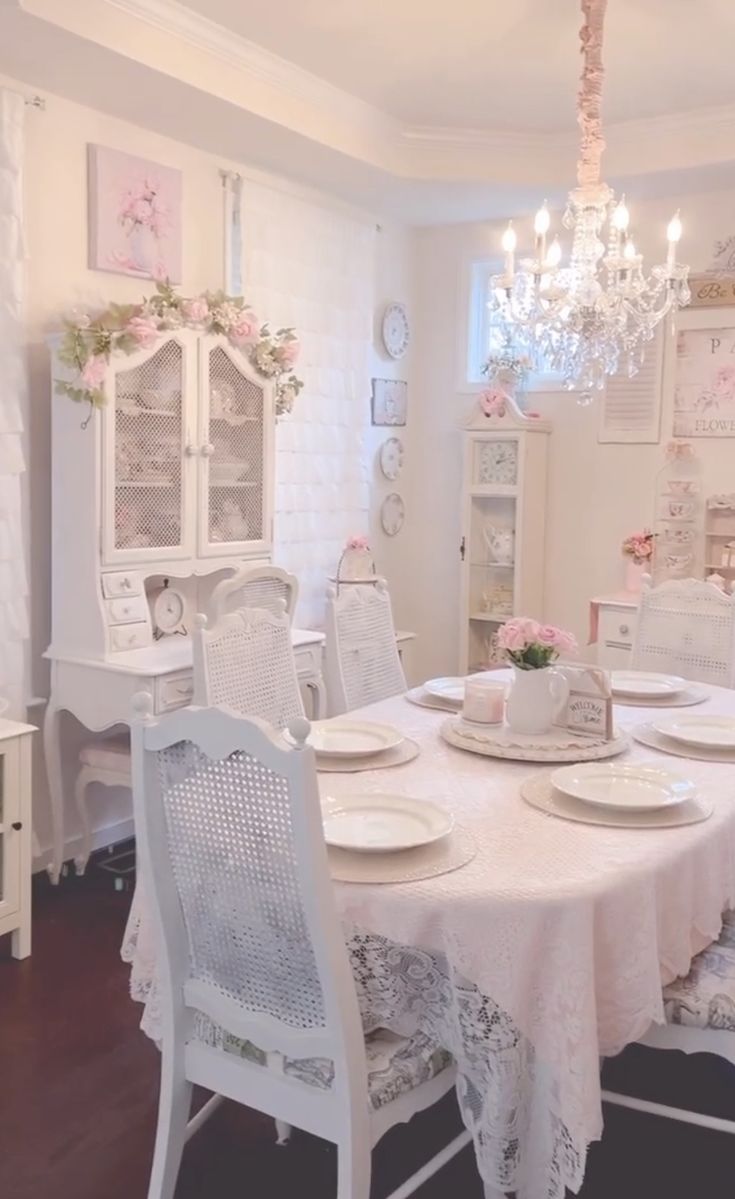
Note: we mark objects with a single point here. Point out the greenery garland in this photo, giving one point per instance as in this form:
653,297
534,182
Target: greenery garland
89,341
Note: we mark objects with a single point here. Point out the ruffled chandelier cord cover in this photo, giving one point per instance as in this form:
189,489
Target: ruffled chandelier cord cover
13,387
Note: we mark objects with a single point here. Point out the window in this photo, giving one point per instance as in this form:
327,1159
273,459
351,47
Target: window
480,330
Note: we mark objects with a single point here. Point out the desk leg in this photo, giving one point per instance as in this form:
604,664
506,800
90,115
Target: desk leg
318,695
52,755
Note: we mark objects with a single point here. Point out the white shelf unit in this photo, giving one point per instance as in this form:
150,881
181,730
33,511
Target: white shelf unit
15,835
719,538
174,476
503,528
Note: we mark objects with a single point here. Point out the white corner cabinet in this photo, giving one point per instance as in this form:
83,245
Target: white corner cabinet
503,528
614,622
15,835
173,476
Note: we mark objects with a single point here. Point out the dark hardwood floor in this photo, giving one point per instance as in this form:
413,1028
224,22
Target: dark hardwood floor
78,1092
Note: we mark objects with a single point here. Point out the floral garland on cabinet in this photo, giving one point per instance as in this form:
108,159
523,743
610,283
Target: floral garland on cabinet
89,341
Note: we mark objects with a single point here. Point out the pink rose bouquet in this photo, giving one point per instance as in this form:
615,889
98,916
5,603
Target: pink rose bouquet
531,646
358,541
639,546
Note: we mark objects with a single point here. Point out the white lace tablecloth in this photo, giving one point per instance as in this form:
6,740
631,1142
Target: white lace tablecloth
546,952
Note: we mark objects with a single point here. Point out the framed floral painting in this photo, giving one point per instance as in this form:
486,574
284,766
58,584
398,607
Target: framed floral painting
134,215
704,393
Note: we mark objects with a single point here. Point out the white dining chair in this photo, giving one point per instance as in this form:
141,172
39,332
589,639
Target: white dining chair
687,627
246,661
700,1018
256,587
232,855
361,660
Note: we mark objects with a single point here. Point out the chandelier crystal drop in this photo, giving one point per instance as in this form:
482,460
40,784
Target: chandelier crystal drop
594,317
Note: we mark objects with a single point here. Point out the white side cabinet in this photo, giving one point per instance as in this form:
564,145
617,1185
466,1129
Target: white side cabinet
15,834
616,617
503,528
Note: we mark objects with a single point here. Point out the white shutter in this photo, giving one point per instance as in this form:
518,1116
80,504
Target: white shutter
630,410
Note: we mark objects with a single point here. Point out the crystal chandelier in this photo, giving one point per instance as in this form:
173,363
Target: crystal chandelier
594,317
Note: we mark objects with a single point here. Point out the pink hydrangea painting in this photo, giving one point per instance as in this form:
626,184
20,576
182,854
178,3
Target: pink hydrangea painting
134,216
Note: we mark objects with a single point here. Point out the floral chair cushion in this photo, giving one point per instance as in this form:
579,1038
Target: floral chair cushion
706,997
395,1064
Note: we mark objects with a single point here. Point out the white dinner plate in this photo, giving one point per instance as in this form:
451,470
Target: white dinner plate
382,823
343,738
451,690
628,788
645,684
716,732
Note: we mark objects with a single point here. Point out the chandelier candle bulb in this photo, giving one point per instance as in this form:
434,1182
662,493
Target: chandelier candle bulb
553,258
673,235
541,228
509,244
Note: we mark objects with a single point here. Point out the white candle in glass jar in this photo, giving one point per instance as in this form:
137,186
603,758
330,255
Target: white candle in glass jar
484,701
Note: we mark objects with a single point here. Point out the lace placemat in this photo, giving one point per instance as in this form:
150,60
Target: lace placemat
539,793
647,735
498,741
405,866
405,752
685,699
421,697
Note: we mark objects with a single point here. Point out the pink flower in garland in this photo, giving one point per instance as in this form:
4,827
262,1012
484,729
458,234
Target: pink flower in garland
245,330
288,352
143,330
93,373
196,310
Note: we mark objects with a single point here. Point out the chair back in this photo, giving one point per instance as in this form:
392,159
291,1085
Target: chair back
232,853
362,664
687,627
246,662
256,587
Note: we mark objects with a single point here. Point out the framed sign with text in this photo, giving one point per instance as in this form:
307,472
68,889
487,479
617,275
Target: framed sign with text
712,291
704,384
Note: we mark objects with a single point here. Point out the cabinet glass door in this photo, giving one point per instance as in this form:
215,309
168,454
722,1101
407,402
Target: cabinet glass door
232,517
9,837
145,510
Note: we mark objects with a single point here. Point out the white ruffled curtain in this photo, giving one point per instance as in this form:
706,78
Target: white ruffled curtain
13,579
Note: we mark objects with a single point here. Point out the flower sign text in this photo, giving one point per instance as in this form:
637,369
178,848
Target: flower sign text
89,341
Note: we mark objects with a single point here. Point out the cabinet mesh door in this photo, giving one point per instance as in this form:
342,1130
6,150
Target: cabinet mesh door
236,464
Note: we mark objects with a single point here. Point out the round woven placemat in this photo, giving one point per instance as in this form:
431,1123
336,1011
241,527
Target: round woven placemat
646,734
540,793
405,752
686,699
407,865
575,749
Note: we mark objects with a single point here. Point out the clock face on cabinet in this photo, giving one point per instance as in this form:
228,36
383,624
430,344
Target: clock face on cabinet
391,457
395,330
392,514
168,609
498,462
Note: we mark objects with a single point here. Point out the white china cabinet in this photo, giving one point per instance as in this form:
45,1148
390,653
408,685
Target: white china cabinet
503,528
15,835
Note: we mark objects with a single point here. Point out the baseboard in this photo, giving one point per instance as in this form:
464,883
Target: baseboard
112,834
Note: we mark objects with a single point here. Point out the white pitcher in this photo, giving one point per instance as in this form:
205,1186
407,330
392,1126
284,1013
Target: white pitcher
536,699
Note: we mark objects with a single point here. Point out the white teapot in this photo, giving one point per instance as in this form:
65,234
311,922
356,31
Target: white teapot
500,544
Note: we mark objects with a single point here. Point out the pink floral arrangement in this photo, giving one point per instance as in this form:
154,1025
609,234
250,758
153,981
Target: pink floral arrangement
89,341
144,208
358,541
639,546
532,646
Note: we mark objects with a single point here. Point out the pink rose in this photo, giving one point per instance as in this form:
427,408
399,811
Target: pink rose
548,634
530,628
245,329
512,636
358,541
93,372
143,330
567,643
289,351
196,311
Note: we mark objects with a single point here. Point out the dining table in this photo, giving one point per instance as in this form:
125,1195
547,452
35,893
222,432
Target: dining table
543,954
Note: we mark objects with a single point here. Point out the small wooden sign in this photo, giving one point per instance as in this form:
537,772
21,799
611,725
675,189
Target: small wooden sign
712,291
589,708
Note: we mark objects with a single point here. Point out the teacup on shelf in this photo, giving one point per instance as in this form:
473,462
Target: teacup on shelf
683,486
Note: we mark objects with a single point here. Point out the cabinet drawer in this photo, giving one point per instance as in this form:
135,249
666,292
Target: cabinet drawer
129,636
617,627
121,582
308,660
174,691
126,610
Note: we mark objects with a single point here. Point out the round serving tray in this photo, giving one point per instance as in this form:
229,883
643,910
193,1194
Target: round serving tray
499,743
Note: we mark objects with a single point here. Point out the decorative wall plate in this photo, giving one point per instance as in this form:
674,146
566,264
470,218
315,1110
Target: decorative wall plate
395,330
391,457
392,514
168,609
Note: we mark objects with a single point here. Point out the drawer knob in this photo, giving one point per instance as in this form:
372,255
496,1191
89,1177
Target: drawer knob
17,825
624,629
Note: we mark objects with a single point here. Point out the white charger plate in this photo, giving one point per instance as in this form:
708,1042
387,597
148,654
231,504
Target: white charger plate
712,732
382,823
451,690
645,684
623,788
539,793
341,738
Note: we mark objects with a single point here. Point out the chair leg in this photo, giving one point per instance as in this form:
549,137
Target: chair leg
173,1113
353,1169
80,798
284,1132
